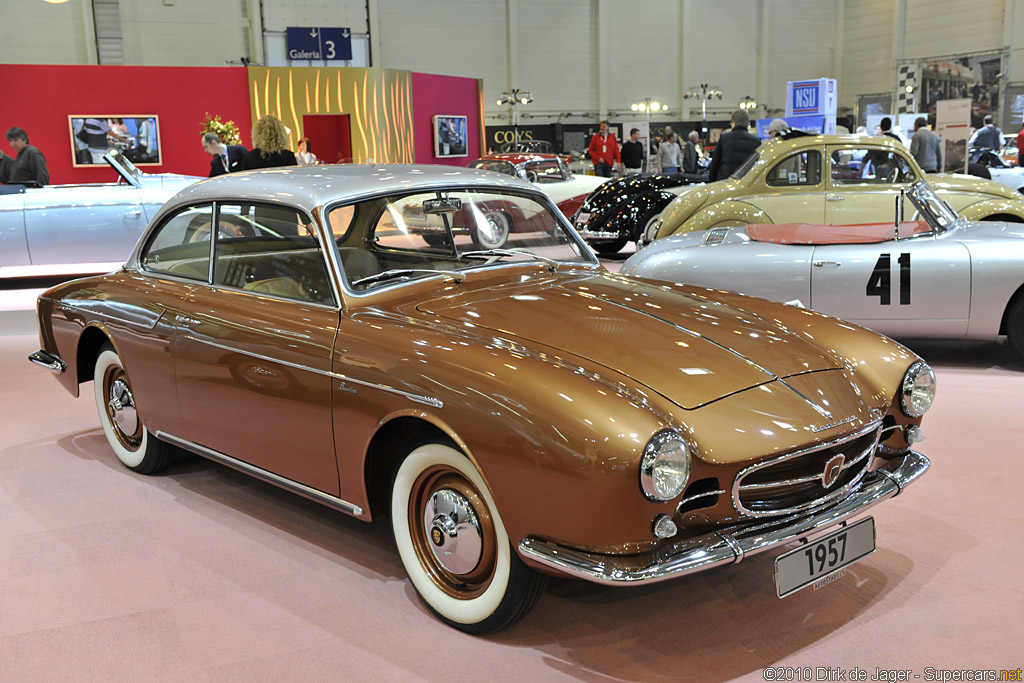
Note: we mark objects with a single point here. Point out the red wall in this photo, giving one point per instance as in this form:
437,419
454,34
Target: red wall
433,95
40,98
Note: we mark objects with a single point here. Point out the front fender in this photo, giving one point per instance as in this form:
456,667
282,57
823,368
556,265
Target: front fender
632,216
727,213
982,210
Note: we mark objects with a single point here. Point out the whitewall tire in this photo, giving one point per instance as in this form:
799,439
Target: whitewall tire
453,543
134,446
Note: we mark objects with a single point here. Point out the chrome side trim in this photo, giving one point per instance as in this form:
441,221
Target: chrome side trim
48,361
427,400
266,475
712,549
733,544
736,487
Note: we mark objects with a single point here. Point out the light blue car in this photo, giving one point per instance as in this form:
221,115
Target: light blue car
79,229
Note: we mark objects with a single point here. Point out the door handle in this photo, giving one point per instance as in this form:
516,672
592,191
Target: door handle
188,320
834,197
826,264
134,212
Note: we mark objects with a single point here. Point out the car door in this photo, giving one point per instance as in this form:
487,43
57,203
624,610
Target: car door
83,224
13,246
793,189
863,183
912,287
253,350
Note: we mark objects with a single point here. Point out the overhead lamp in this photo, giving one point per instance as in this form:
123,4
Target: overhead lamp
910,88
748,102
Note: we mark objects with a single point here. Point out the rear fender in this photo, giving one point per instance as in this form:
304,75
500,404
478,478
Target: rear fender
723,214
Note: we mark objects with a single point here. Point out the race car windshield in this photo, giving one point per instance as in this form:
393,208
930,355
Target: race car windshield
937,212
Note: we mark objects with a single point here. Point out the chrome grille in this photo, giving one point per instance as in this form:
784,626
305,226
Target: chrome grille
796,481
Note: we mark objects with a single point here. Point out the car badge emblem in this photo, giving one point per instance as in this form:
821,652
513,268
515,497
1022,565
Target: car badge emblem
833,469
438,538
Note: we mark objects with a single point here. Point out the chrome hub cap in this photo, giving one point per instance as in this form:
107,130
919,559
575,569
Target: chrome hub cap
122,407
454,531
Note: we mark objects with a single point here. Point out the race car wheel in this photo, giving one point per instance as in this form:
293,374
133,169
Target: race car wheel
494,233
454,546
610,247
134,446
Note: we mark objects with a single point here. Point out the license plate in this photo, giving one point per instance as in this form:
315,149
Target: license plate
815,560
582,218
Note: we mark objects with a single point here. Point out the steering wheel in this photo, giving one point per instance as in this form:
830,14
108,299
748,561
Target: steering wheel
532,176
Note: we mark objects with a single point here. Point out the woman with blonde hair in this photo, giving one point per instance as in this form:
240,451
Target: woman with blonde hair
270,145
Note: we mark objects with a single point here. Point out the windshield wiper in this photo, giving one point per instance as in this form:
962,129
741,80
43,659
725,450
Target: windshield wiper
407,272
493,255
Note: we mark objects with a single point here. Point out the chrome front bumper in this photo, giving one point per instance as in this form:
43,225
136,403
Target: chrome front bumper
598,234
729,545
50,362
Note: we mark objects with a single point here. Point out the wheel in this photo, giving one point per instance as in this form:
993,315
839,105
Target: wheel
494,234
642,236
134,446
610,247
454,546
1015,327
436,241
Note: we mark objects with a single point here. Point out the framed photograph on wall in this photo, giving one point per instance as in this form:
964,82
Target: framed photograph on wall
137,136
450,136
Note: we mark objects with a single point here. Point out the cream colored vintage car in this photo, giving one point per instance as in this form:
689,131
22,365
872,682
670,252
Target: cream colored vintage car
829,180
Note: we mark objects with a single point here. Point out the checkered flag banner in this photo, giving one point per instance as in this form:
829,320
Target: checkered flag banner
906,102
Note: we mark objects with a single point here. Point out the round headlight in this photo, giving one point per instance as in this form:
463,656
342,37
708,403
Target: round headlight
918,390
665,466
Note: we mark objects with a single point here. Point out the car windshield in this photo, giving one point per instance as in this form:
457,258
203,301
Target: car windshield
119,162
546,171
746,166
934,210
421,234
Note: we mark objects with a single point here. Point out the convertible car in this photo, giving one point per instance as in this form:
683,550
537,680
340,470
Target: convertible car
826,179
937,275
549,172
1000,171
67,229
495,404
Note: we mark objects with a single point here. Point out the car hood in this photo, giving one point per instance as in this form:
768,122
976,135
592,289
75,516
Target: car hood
686,346
956,182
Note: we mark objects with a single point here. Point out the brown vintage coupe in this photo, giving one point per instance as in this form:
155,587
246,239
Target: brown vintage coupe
516,412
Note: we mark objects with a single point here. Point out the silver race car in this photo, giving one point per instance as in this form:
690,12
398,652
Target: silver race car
80,229
937,275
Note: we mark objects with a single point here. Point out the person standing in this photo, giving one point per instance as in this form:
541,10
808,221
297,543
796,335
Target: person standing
269,145
6,164
690,154
29,165
733,147
669,156
604,151
633,153
305,155
226,158
885,125
147,140
925,147
988,136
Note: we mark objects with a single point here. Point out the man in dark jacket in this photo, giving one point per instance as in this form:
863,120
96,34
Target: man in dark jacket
226,158
733,147
30,165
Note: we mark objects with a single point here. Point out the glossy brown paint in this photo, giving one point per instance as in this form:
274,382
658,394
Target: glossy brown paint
550,394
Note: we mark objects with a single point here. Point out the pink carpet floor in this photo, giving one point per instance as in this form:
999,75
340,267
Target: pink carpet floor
202,574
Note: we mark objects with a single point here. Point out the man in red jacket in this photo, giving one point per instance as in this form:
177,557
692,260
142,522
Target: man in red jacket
604,150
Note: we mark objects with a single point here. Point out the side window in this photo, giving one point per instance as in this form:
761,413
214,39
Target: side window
799,169
870,166
181,246
270,250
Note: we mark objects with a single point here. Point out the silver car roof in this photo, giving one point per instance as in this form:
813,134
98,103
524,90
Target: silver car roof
312,186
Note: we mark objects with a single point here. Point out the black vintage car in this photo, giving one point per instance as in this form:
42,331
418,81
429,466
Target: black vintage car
619,211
